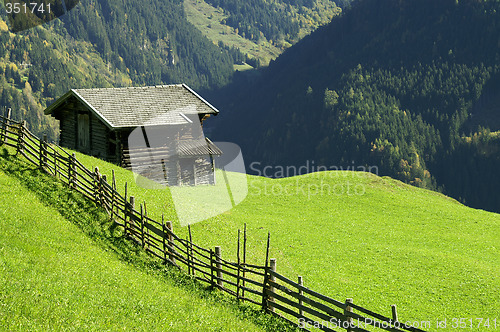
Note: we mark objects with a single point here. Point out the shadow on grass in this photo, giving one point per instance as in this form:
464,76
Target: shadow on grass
96,224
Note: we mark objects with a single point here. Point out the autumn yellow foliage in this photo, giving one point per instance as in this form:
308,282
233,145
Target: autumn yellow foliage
3,25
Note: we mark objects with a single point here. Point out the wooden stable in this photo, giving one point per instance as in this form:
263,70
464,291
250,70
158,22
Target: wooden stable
103,123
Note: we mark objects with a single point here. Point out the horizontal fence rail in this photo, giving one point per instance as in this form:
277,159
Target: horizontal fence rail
260,285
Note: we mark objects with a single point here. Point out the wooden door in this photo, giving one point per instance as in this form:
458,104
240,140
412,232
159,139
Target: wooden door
83,133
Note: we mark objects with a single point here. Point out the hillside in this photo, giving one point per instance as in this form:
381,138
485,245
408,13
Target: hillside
403,85
352,234
64,269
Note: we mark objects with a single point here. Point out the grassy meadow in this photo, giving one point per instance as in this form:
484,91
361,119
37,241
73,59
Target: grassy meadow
62,267
353,234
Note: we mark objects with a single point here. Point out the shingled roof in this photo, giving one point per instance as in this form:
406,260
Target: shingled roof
141,106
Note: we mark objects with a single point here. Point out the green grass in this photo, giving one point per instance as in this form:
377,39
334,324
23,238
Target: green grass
242,67
381,243
63,266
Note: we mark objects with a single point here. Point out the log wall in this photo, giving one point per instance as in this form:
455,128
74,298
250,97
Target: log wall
99,138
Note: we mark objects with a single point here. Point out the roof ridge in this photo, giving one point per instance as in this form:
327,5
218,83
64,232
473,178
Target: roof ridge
131,87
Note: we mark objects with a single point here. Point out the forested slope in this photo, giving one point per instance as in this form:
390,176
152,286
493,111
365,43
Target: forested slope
260,29
106,43
396,84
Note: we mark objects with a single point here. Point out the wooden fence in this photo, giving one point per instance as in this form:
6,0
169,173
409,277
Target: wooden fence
260,285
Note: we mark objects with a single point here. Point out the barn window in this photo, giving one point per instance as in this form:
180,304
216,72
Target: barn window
83,132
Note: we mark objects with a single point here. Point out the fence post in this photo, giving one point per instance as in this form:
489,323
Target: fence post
163,228
56,174
40,153
272,267
125,209
75,174
212,282
104,180
347,311
72,171
56,171
188,255
301,283
244,259
394,313
113,195
191,249
218,266
266,275
20,139
170,240
239,269
97,185
130,213
142,226
43,152
102,191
